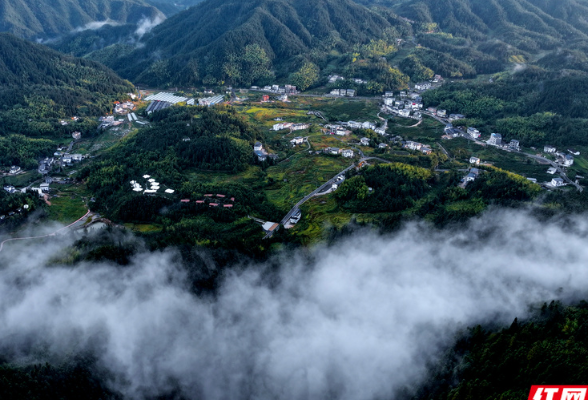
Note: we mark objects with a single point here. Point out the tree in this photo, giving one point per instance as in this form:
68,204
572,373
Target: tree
306,76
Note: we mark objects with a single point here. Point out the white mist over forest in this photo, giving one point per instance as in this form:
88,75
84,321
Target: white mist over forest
360,321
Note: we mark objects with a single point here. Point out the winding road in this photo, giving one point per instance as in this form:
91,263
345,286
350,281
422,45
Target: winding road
44,236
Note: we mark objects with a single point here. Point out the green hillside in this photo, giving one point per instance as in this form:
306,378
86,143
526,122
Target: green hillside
550,348
39,87
50,18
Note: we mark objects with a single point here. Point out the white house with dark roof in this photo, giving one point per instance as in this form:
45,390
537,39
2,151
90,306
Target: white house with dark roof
557,182
495,139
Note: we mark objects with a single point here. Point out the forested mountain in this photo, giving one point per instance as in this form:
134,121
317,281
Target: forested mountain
170,7
550,348
50,18
248,41
39,87
527,25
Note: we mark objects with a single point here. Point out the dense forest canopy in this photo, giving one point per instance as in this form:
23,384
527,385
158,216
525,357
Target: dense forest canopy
245,42
40,86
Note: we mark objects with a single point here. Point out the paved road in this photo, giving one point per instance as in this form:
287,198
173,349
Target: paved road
324,186
44,236
313,193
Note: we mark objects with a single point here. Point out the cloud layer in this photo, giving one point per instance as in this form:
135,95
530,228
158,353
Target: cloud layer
358,321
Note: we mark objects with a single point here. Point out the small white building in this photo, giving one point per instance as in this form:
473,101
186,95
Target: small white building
14,169
474,160
258,146
557,182
514,145
549,149
551,170
297,140
347,153
441,113
495,139
365,141
568,160
473,132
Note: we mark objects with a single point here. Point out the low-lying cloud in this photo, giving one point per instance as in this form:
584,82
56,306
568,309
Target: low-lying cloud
359,321
145,25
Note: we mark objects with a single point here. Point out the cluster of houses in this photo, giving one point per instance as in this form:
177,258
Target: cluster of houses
423,148
496,140
567,160
108,121
213,201
261,154
335,78
335,151
290,125
407,105
343,92
336,129
286,89
123,108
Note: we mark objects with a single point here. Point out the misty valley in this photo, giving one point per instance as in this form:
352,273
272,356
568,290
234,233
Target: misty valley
293,199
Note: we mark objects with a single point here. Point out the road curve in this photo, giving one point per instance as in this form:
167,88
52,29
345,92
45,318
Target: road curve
43,236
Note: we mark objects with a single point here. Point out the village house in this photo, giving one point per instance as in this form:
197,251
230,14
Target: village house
389,94
335,78
574,152
568,160
334,151
557,182
417,115
44,187
455,117
426,149
354,125
474,160
10,189
514,145
364,141
297,140
549,149
14,169
413,145
380,131
441,113
347,153
422,86
389,101
382,145
299,127
473,132
368,125
551,170
404,113
495,139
